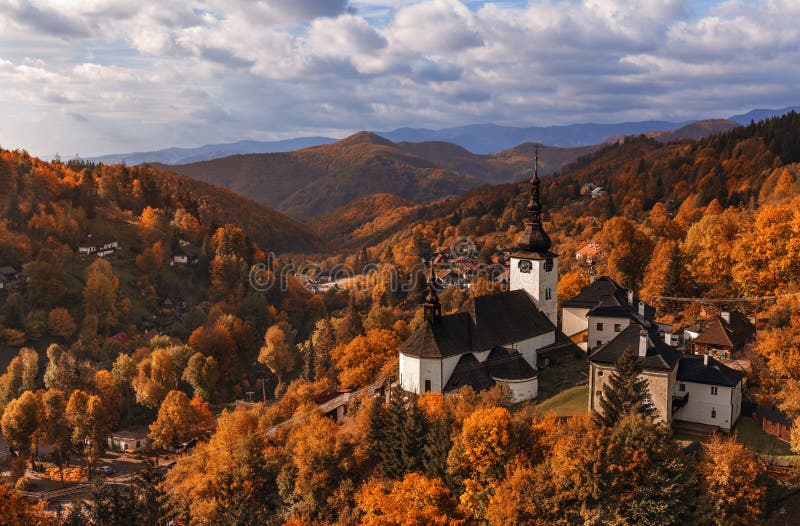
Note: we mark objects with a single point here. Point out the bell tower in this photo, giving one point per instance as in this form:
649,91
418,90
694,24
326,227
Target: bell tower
534,268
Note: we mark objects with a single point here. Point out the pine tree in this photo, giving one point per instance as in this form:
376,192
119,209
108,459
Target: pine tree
413,437
438,442
324,341
389,449
309,361
625,392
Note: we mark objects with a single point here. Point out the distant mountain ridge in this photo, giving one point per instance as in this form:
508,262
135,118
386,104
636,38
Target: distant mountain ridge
210,151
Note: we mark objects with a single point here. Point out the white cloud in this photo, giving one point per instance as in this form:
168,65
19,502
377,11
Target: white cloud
123,74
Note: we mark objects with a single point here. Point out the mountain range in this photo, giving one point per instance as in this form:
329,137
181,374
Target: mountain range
312,181
477,138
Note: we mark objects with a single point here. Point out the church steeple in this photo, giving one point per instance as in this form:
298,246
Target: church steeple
534,238
432,309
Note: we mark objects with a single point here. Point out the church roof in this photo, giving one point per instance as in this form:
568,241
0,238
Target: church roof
693,369
468,371
508,364
489,321
533,241
659,355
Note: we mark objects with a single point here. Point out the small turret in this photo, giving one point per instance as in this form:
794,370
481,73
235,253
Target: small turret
432,309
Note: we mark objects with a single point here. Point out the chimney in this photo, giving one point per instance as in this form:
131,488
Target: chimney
705,359
642,343
726,315
630,296
641,309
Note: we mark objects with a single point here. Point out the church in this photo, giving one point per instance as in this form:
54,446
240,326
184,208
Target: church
497,338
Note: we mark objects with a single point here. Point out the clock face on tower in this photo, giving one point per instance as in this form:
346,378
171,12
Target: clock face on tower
525,266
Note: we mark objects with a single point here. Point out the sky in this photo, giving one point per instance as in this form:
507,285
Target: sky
87,77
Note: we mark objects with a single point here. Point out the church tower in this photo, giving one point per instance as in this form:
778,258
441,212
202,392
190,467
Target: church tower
534,268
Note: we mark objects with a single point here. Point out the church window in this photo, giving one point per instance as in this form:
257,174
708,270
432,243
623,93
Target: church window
714,412
548,264
682,388
617,327
547,294
714,390
600,326
427,386
599,343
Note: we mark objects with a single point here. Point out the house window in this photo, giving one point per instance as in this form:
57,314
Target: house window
427,386
617,327
714,412
599,326
682,388
714,390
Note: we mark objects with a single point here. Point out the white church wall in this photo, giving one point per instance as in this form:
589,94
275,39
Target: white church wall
521,390
409,373
528,348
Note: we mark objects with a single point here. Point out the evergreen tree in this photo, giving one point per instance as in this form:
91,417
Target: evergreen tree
413,438
438,442
309,361
150,500
625,392
324,341
386,436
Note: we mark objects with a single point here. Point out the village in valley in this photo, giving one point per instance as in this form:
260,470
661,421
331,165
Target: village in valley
399,263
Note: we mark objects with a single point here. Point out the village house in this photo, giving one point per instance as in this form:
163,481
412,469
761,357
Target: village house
590,253
185,253
681,388
9,277
497,339
128,441
724,336
100,246
600,312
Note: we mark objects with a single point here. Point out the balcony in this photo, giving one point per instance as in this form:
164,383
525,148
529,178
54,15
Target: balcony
679,401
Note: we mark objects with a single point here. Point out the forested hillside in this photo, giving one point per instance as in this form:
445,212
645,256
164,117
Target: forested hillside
314,181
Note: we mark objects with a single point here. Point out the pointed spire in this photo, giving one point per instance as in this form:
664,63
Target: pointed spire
534,238
432,309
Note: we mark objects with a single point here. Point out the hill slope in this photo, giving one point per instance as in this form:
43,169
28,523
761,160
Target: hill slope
313,181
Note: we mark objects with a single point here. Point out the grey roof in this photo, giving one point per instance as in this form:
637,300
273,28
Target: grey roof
6,271
188,250
660,356
606,298
692,369
468,371
508,364
489,321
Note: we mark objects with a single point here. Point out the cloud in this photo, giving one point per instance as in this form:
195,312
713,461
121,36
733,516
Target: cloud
146,74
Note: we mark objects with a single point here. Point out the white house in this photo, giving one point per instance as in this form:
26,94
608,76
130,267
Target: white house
185,254
98,246
128,441
696,389
498,337
600,311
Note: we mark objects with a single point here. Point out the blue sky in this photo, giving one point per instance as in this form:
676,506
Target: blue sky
101,76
